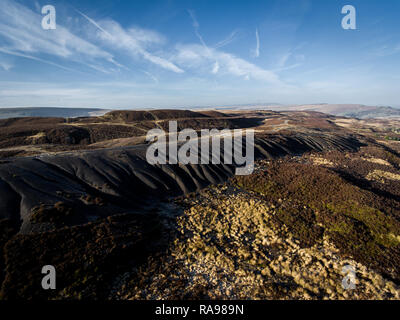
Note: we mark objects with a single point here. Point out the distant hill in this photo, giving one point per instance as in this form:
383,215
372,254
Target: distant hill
161,114
50,112
343,110
353,110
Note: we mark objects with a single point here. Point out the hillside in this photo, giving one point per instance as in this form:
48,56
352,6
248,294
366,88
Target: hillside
358,111
324,194
49,112
354,110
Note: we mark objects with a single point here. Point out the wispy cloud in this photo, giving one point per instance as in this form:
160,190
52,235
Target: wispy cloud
283,59
23,37
386,50
196,27
198,58
215,68
26,56
6,65
227,40
151,76
21,29
93,23
256,51
133,41
289,56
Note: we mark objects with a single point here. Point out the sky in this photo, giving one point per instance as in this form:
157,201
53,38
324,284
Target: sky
168,53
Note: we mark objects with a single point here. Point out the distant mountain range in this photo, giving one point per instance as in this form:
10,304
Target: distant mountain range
50,112
344,110
353,110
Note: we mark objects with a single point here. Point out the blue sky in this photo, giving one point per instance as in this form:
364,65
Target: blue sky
139,54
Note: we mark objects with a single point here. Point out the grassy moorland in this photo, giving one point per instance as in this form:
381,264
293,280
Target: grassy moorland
284,232
324,195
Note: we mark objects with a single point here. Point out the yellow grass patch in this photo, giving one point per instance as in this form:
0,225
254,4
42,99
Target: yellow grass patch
377,161
322,161
380,175
37,136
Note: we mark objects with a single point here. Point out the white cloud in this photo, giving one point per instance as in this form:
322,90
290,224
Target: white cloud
134,41
295,59
21,29
198,58
196,27
195,23
290,67
227,40
283,59
161,62
38,8
6,65
256,52
21,55
151,76
93,22
23,34
215,68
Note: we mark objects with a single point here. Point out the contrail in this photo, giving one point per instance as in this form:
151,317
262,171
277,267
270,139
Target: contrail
196,27
257,51
226,41
105,32
93,23
17,54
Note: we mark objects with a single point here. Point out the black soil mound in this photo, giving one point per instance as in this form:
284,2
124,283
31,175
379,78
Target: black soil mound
132,116
93,184
96,214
